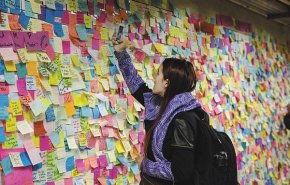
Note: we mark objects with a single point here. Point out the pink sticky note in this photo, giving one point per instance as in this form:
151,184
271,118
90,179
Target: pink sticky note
28,144
20,118
31,94
80,18
130,99
97,34
65,17
66,46
80,165
50,183
95,44
124,170
34,156
113,173
93,161
141,136
139,55
132,36
132,134
68,181
102,144
105,131
44,143
142,30
102,17
21,86
92,142
103,161
50,52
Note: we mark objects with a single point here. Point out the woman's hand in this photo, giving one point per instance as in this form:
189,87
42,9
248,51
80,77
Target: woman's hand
119,45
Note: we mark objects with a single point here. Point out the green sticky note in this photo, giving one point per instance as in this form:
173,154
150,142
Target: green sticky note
50,159
12,141
61,113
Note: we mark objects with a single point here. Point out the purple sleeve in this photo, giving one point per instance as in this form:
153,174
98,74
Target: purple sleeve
130,74
159,169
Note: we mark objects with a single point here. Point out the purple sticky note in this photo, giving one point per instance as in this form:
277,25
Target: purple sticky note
43,39
44,143
6,39
80,165
36,41
21,86
66,46
103,161
42,15
18,39
212,42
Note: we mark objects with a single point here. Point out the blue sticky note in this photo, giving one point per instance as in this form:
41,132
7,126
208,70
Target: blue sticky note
113,60
88,85
57,28
28,10
86,111
43,11
81,30
96,112
134,168
113,69
7,166
2,67
49,113
70,163
4,113
9,77
69,130
3,7
23,20
110,143
78,112
16,10
58,10
97,10
163,25
2,135
173,22
4,101
37,166
83,6
153,37
55,139
25,159
89,31
92,72
121,159
21,70
49,16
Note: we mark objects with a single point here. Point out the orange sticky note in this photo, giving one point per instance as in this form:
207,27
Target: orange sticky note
124,15
32,68
69,108
102,180
48,28
39,129
14,22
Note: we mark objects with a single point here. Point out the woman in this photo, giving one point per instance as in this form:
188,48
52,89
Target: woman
168,147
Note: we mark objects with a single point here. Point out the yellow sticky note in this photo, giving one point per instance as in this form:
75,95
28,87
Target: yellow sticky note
83,139
10,65
88,21
75,60
104,34
53,79
16,108
120,147
36,140
28,115
159,48
11,124
61,144
72,5
69,108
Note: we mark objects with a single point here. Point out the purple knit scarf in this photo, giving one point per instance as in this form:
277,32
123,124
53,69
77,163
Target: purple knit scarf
180,103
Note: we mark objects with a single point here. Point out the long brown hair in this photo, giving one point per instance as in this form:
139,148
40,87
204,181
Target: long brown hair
181,77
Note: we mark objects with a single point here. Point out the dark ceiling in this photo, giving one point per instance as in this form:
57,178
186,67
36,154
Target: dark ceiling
278,10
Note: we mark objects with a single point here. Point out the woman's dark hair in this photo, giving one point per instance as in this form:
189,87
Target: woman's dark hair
287,121
181,77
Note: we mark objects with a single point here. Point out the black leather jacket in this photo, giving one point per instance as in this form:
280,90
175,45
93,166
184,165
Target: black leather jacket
178,145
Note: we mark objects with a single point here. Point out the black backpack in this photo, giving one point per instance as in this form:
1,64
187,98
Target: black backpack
215,157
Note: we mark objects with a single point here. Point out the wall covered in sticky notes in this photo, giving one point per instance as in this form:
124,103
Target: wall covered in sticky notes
67,116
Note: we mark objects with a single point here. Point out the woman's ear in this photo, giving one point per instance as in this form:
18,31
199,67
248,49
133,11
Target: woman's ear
167,82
